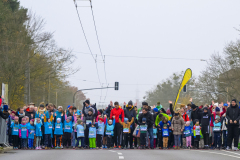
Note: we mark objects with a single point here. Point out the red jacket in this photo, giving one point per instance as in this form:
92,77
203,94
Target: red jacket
185,117
214,115
117,112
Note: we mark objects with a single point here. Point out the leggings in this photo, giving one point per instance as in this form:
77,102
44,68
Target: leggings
177,140
109,141
15,140
99,140
30,143
188,141
92,142
38,140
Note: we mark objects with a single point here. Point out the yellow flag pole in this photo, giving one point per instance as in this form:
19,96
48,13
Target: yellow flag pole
187,76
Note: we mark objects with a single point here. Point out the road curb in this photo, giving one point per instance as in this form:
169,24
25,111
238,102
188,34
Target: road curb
5,149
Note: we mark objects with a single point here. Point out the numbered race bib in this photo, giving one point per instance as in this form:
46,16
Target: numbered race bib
24,129
108,133
88,121
32,131
15,129
81,131
67,127
50,126
197,131
58,126
187,132
99,129
217,128
165,133
154,135
91,133
40,129
125,130
143,127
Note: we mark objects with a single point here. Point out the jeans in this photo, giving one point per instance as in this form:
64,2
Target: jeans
74,138
82,141
225,138
150,133
217,139
24,142
47,140
30,143
177,140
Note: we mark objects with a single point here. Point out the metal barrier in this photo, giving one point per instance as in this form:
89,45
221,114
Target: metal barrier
3,132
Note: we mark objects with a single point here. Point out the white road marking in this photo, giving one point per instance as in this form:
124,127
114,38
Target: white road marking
233,152
112,151
217,153
121,157
119,153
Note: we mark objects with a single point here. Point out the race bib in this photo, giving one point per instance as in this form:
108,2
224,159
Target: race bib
91,133
99,129
50,126
32,131
67,127
187,132
81,131
88,121
108,133
197,131
40,129
217,128
58,126
24,129
165,133
125,130
143,127
154,135
15,129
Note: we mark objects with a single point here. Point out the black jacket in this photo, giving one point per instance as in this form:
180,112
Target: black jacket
149,119
129,112
108,111
4,115
197,114
28,113
205,118
233,113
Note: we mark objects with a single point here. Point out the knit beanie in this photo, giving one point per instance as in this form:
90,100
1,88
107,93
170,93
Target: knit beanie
193,106
165,125
130,103
125,120
60,107
14,112
5,107
32,120
155,109
217,109
144,119
87,101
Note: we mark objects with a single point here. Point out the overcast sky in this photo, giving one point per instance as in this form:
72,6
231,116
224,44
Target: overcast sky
185,29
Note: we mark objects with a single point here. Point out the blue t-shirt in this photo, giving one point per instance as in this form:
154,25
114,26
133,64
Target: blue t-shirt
15,129
42,117
100,129
31,131
38,130
217,127
165,132
187,131
110,129
155,133
23,128
58,129
80,130
92,132
48,127
68,127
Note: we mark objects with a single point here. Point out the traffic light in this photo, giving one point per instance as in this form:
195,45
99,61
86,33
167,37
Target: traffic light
116,86
185,88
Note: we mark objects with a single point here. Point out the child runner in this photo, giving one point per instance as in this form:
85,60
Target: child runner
143,133
58,131
126,130
196,133
80,127
188,134
92,135
31,131
15,133
217,132
110,132
23,133
165,135
100,132
48,127
38,132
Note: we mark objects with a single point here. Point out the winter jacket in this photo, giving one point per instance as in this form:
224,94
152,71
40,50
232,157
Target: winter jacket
117,112
129,112
233,113
108,111
214,115
185,117
28,113
196,115
93,107
149,119
177,124
126,126
159,107
88,118
158,120
205,118
224,122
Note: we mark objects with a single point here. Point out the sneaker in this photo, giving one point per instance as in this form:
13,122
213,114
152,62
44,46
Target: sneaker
235,149
90,148
119,147
228,149
131,147
115,146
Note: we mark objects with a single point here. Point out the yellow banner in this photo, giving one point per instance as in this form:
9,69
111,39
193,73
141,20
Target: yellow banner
187,76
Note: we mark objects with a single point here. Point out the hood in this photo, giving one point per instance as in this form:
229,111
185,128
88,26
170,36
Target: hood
236,106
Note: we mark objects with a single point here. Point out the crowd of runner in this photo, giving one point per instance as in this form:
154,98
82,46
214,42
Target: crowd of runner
211,126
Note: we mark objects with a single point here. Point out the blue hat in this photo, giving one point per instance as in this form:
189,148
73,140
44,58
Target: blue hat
155,109
5,107
144,119
225,104
217,109
125,120
68,106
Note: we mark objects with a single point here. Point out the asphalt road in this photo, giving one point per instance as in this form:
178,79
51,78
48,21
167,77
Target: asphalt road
120,154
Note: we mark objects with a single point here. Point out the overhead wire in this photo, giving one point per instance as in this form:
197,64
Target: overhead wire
74,1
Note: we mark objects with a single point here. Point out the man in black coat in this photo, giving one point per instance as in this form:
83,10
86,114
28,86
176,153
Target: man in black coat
30,112
196,113
130,112
233,116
